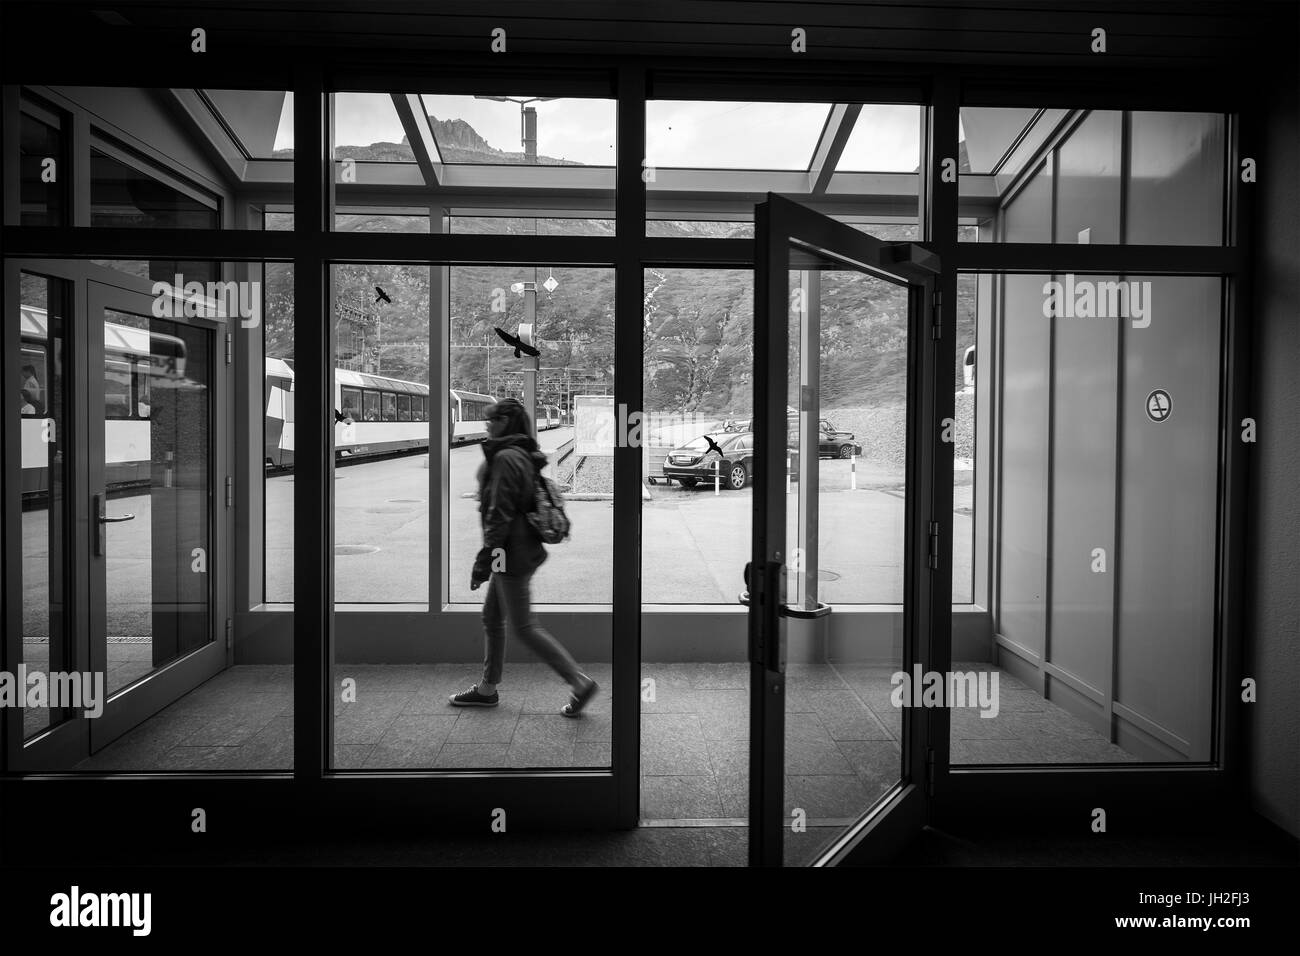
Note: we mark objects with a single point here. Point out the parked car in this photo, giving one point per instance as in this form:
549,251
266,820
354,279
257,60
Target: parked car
831,443
694,462
835,444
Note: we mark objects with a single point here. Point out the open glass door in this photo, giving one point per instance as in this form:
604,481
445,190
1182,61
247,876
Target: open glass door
838,585
157,503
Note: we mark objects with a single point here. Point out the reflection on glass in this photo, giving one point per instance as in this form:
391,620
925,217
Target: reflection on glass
40,405
278,431
40,161
157,421
846,402
126,195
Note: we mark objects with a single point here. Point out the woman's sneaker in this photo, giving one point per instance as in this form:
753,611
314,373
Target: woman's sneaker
472,698
578,701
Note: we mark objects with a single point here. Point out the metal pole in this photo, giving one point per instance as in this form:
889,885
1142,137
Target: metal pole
809,435
531,363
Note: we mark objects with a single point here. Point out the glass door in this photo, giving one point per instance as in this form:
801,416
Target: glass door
838,586
158,501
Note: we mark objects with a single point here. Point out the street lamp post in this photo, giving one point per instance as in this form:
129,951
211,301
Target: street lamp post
527,121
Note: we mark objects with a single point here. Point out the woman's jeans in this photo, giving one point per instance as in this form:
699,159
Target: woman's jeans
509,601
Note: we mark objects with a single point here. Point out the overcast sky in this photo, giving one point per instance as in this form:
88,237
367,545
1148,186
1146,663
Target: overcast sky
678,133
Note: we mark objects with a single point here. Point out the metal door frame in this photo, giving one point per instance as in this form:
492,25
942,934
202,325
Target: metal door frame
779,223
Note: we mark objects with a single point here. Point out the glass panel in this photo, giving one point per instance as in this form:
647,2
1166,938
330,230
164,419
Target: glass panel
998,148
515,130
127,195
367,129
404,716
575,322
593,225
277,421
965,436
698,383
720,135
885,138
1176,163
157,460
378,221
845,543
699,400
1088,181
519,160
1174,188
702,229
160,158
706,162
381,332
39,376
258,122
1027,217
43,171
1105,620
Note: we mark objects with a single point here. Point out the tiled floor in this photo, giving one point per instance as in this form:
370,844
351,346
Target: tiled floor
128,661
842,733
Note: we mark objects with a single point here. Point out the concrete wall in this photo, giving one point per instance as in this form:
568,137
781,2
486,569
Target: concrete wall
1273,618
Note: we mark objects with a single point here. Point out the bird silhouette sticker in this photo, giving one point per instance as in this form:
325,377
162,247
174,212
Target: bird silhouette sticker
713,446
518,345
382,296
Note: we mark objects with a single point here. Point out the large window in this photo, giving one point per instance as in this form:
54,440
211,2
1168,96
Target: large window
1055,175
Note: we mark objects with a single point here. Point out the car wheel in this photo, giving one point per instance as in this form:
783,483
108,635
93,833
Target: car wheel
737,477
846,451
686,483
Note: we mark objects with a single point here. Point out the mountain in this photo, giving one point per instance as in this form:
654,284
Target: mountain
697,324
458,142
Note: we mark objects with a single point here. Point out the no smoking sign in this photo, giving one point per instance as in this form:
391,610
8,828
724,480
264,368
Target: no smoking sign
1159,405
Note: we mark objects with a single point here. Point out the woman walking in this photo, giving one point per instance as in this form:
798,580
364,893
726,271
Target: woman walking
511,553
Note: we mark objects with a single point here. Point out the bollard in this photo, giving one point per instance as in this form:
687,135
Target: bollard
717,477
853,473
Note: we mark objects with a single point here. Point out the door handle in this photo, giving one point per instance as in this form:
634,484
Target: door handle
102,519
805,613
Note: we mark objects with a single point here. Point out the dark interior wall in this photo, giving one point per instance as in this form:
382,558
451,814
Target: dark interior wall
1273,658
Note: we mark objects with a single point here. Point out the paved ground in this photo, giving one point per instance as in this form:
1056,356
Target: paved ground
694,543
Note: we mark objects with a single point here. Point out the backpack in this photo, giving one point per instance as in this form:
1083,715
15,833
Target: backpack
547,517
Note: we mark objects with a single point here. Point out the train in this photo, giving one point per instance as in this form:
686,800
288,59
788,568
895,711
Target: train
137,363
374,414
378,415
